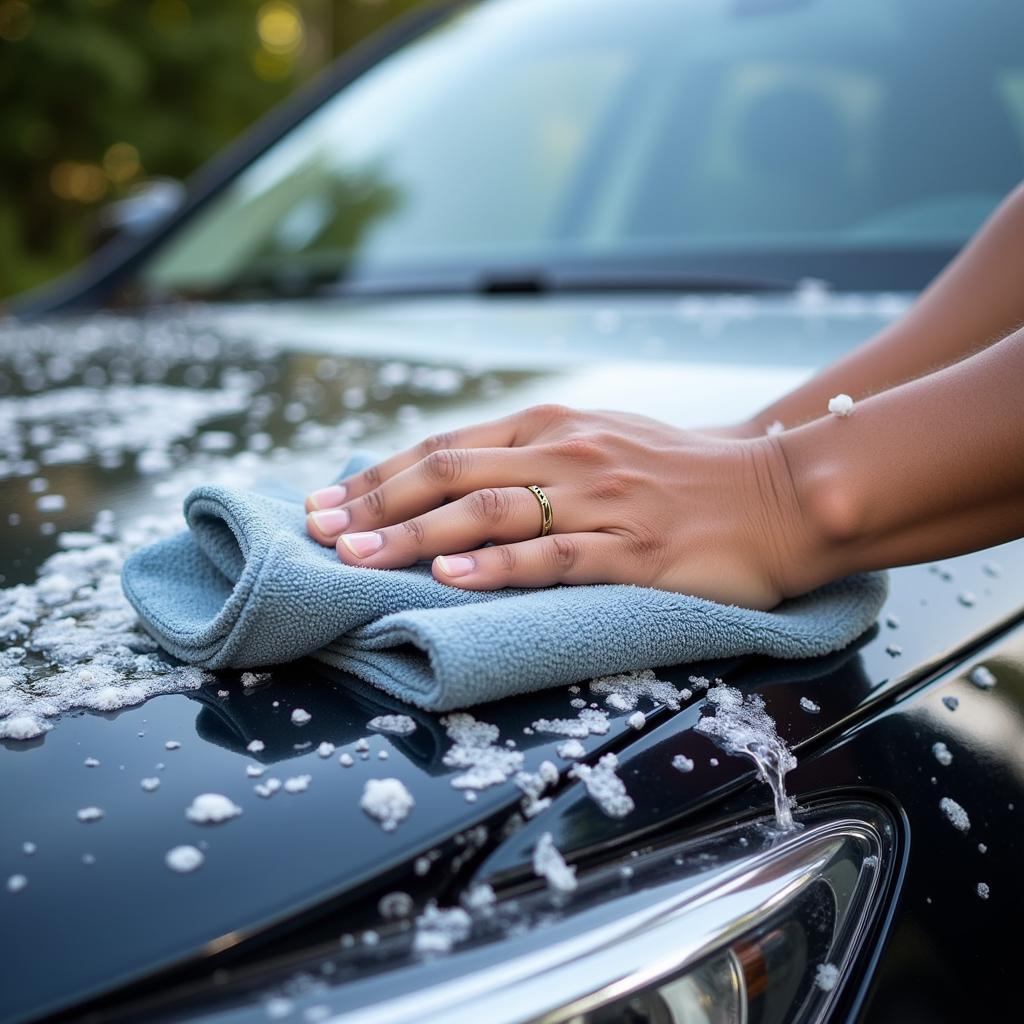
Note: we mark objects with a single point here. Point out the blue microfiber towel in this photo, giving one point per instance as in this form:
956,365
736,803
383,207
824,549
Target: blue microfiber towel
245,586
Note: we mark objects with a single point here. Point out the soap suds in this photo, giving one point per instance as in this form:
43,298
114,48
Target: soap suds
742,726
623,691
549,864
184,859
826,977
955,814
399,725
841,405
300,716
16,883
809,705
571,750
212,809
590,721
74,642
297,783
438,929
388,801
942,754
533,785
682,763
90,814
982,677
605,788
474,749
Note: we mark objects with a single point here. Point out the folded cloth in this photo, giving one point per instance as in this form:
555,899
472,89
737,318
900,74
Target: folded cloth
245,586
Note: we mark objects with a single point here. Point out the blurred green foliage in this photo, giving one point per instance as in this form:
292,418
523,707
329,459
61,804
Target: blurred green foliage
96,96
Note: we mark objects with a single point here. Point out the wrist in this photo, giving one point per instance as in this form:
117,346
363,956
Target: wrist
830,505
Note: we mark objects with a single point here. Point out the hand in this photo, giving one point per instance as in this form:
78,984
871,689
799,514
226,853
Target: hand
634,501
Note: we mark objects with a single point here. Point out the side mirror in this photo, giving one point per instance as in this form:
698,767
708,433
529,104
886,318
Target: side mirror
151,203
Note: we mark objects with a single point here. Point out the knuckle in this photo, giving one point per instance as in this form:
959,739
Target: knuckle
610,485
550,413
413,530
489,505
446,439
563,554
446,465
643,543
579,448
374,504
506,556
370,477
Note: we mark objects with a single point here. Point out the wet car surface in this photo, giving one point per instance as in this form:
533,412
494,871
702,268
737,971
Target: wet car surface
297,866
182,357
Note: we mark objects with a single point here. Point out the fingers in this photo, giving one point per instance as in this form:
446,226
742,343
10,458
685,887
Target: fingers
543,562
445,474
497,514
499,433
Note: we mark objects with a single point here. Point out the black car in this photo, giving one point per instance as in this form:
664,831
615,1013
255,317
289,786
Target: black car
677,207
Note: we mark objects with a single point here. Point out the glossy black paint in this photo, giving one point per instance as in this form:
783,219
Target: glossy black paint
298,870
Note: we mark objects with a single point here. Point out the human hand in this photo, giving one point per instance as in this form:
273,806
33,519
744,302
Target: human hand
634,501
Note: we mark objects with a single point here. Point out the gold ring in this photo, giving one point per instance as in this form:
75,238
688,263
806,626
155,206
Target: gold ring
545,508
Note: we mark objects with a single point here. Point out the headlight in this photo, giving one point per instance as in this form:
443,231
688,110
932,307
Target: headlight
745,926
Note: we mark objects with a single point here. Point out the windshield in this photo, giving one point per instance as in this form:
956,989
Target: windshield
861,142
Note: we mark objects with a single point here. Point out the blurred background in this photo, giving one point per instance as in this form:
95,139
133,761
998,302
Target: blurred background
98,97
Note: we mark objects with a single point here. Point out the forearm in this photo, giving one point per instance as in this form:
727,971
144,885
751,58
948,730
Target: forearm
925,470
975,301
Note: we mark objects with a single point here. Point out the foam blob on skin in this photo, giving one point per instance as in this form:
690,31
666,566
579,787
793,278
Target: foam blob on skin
184,859
841,406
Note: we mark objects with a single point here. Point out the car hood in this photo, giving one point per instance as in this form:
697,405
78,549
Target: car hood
121,415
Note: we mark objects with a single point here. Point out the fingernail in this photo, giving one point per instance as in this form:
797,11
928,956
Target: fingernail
362,544
328,497
456,565
331,521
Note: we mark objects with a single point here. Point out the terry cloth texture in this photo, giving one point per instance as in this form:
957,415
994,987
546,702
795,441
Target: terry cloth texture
245,586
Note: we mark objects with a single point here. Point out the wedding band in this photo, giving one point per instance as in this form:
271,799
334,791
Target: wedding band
545,508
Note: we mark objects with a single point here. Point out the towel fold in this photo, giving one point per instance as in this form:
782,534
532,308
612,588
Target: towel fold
245,587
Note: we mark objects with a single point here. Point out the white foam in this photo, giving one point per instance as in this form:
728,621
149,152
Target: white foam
742,726
15,883
571,749
256,746
300,716
150,784
297,783
388,801
624,690
212,809
268,788
400,725
184,859
549,864
325,749
809,705
826,977
90,814
955,814
841,405
982,677
590,721
637,720
346,760
942,754
438,929
474,749
534,784
606,789
682,763
984,891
